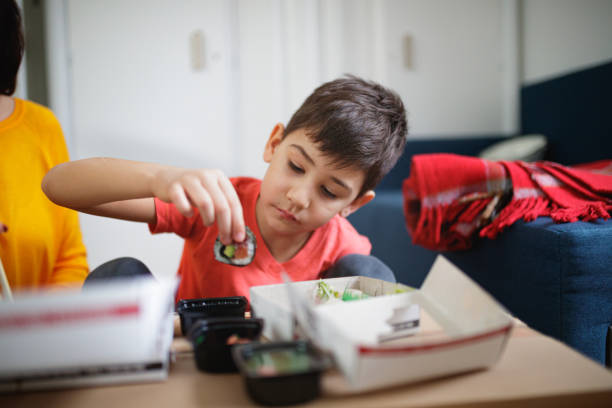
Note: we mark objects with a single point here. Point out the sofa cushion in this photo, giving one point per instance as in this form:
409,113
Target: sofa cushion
528,148
573,112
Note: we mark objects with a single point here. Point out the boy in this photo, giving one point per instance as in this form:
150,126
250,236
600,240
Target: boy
337,146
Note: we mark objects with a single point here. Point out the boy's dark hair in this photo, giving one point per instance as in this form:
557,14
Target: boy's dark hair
11,45
357,123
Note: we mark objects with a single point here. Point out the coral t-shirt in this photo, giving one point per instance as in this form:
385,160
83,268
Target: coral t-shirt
204,276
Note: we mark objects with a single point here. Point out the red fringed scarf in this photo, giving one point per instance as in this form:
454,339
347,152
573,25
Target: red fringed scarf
449,198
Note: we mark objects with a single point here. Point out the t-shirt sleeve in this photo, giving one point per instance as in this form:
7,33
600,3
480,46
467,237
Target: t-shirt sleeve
169,219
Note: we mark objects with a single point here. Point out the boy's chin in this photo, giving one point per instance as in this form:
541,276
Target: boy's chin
285,228
281,226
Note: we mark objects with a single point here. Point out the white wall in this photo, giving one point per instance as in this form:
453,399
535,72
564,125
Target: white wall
455,82
21,91
561,36
59,72
133,92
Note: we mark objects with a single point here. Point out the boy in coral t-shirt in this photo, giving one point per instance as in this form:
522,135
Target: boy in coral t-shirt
322,167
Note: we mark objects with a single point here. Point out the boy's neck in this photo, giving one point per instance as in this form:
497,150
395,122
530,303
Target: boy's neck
284,247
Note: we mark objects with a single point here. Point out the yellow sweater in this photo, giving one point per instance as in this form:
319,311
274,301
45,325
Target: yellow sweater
43,245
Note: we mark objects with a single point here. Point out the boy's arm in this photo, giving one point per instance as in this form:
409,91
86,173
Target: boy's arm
124,189
107,187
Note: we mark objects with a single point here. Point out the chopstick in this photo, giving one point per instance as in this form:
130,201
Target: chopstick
6,288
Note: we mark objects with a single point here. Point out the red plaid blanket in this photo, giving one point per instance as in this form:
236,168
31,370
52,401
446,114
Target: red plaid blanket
449,199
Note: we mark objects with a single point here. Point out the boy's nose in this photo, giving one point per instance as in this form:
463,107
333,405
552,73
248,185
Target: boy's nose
298,196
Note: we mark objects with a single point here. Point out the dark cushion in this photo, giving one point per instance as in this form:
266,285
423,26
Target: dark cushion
573,112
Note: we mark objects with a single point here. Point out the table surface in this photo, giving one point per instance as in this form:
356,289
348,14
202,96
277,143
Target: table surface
534,370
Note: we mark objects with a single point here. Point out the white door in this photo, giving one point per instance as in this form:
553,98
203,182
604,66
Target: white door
151,81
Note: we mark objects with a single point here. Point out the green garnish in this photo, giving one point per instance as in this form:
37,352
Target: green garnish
325,292
229,251
349,295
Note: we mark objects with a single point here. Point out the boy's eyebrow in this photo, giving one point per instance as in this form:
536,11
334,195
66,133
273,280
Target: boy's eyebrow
341,183
307,157
301,149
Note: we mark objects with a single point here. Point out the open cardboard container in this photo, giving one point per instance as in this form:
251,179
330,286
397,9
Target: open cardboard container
461,327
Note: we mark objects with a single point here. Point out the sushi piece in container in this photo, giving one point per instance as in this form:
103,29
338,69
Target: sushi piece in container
237,253
214,338
192,310
281,373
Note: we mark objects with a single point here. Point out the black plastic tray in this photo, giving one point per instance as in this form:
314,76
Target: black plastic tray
191,310
212,341
294,383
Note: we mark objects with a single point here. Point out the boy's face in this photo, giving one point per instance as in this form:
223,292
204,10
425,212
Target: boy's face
301,189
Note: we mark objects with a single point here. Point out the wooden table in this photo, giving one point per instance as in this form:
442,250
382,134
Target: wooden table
534,370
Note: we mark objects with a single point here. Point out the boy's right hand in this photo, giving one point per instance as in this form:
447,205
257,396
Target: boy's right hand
210,191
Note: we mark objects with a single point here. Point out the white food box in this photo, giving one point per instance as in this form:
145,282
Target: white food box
108,333
462,328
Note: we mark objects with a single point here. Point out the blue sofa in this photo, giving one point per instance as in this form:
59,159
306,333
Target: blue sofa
557,278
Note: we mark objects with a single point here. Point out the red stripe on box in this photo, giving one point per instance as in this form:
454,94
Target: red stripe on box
435,346
61,317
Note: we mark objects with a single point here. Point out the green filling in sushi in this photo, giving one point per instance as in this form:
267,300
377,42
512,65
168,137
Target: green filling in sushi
237,253
229,251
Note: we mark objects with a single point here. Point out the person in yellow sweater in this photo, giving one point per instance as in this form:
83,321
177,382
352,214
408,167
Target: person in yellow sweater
40,243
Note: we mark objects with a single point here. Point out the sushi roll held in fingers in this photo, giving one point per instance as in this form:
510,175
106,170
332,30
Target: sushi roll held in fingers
237,253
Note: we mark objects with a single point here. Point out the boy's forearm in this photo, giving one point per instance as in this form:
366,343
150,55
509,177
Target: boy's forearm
124,189
87,183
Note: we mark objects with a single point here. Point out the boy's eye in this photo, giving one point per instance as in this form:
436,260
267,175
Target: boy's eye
328,193
295,167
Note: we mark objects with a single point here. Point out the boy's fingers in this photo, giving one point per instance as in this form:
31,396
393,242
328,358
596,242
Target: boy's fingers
222,211
237,217
202,200
206,207
179,199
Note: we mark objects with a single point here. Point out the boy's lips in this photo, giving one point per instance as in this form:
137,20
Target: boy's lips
286,214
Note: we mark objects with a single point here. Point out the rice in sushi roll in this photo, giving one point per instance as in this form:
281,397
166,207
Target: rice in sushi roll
237,253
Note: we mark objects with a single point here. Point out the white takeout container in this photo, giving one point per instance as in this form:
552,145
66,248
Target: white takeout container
462,328
108,333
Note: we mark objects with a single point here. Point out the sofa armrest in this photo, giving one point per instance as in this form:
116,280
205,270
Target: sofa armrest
554,277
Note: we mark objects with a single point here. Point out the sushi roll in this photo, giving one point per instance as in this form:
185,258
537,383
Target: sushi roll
237,253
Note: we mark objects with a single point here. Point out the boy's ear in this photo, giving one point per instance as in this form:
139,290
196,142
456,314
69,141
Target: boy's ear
276,136
357,203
